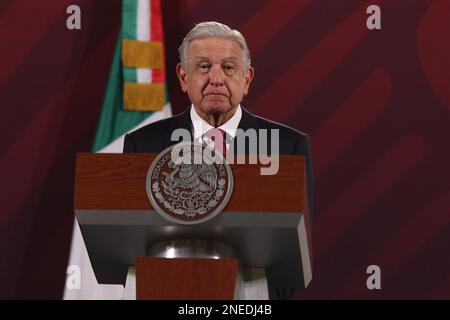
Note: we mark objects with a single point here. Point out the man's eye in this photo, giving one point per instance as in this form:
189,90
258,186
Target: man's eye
203,67
229,68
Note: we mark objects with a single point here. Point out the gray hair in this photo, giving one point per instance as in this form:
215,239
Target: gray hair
213,29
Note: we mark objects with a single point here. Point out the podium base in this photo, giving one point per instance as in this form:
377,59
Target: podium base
252,286
189,269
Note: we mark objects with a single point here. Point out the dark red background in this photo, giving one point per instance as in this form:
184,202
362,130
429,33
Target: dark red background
375,103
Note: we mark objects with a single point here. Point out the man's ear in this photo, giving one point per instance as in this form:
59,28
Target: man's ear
248,79
181,73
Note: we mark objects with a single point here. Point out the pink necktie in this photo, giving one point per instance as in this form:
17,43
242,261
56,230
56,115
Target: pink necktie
218,137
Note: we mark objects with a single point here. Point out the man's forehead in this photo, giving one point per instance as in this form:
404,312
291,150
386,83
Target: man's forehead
200,57
206,46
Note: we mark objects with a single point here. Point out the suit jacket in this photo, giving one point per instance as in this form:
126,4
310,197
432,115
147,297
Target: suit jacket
156,137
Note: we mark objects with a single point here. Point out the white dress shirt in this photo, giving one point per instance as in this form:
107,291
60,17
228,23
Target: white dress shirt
201,127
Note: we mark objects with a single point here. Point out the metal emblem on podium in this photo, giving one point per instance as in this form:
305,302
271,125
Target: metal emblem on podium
189,183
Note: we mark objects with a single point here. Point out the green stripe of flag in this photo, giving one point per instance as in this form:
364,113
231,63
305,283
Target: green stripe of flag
129,29
129,19
130,74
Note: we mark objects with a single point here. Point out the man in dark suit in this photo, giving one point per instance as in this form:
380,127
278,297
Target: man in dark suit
215,72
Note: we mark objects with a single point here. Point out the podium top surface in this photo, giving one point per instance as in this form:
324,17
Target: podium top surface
117,182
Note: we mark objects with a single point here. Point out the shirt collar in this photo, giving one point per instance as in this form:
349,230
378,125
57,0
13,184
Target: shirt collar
201,126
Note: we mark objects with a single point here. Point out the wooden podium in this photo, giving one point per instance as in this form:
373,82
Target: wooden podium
266,223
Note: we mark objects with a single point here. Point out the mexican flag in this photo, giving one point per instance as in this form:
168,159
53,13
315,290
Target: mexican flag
135,96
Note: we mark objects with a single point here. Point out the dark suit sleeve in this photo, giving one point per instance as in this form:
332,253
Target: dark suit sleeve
303,147
128,144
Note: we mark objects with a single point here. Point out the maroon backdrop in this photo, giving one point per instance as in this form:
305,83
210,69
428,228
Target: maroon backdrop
375,103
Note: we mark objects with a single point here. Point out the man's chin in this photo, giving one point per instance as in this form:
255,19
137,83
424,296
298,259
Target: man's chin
215,109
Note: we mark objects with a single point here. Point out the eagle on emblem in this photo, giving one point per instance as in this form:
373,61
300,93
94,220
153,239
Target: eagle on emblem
194,177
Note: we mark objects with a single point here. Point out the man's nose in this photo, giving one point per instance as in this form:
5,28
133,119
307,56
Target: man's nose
216,76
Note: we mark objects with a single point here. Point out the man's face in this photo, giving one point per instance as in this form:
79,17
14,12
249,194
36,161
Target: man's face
215,79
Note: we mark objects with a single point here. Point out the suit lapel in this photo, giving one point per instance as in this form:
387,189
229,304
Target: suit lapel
248,121
182,121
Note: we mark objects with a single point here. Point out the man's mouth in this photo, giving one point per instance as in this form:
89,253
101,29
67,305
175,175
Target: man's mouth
215,94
